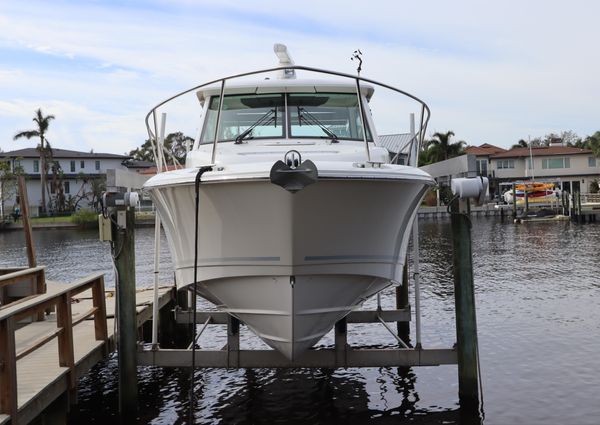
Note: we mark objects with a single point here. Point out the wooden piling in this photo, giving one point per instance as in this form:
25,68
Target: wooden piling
466,325
24,202
580,217
8,370
514,204
124,243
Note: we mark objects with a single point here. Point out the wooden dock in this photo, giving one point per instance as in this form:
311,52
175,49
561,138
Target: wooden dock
49,340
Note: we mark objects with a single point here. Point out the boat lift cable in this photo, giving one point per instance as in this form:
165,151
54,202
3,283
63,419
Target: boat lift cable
201,171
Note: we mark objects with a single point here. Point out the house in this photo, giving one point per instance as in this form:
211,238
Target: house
573,169
73,177
483,154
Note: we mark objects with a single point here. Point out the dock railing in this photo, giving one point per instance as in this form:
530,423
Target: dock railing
61,300
589,198
11,277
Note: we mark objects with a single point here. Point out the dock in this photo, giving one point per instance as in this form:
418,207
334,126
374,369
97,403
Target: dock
441,211
49,340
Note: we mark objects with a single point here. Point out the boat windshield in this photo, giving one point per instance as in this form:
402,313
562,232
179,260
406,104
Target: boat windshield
252,116
333,116
322,114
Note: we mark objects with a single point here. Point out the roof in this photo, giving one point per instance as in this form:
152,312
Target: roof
542,151
152,170
60,153
395,142
484,149
136,163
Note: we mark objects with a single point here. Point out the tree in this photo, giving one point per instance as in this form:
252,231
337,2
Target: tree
520,144
43,122
439,148
175,144
593,142
570,138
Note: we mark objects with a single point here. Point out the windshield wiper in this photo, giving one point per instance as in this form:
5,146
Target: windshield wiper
270,115
315,121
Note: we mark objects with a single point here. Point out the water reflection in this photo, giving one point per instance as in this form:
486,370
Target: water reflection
538,304
265,396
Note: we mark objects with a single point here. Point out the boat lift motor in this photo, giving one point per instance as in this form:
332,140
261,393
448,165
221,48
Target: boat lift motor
119,201
474,187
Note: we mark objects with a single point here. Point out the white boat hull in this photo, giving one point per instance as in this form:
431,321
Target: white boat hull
290,265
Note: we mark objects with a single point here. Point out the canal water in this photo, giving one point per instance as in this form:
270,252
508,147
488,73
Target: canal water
538,305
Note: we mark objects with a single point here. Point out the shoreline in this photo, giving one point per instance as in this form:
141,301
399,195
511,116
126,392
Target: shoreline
65,226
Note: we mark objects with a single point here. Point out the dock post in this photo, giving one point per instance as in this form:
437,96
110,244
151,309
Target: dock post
24,202
580,218
124,243
464,295
514,205
31,261
402,302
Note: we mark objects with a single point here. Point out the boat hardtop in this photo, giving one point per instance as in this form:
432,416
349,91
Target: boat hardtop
265,86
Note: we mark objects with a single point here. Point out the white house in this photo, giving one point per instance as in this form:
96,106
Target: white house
76,173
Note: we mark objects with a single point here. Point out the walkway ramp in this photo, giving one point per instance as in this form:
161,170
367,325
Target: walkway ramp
43,355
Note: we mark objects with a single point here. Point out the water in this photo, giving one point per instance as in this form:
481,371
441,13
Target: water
538,306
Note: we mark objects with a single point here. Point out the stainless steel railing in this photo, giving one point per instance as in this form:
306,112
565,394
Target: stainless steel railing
417,138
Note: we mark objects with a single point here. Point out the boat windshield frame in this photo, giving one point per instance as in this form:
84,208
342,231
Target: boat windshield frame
417,141
281,115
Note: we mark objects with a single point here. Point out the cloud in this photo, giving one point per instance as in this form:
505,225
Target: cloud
492,72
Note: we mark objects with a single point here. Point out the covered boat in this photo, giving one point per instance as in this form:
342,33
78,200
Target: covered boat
288,214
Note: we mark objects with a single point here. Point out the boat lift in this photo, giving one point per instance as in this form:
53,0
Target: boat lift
463,353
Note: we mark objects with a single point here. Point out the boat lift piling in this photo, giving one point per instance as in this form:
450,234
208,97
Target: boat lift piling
121,215
464,293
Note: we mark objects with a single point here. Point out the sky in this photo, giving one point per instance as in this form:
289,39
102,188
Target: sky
492,72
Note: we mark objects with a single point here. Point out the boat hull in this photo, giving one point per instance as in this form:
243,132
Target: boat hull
290,265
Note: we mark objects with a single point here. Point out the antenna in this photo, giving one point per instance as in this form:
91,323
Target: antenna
284,59
358,56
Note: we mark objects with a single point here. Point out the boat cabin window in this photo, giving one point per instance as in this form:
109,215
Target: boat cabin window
262,116
252,116
325,114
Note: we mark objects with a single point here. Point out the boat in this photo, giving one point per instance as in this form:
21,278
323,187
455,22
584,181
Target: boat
541,193
301,215
542,214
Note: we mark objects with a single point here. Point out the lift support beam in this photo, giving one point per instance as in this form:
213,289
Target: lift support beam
342,355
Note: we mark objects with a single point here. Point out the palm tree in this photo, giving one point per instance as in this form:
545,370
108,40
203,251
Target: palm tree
520,144
439,147
43,123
